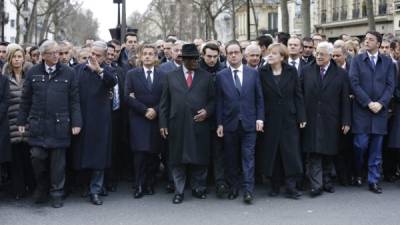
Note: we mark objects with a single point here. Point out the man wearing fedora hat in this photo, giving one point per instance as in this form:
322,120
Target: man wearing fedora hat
186,104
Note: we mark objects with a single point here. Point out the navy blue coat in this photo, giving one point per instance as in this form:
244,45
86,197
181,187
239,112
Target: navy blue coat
371,85
231,105
92,147
50,106
144,134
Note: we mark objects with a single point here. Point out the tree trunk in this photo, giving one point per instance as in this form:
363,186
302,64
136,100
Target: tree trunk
285,16
45,27
215,34
370,15
255,17
305,9
31,24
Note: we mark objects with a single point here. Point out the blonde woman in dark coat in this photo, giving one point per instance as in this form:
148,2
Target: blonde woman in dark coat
15,69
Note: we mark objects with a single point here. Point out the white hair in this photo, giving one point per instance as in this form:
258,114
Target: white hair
326,45
45,46
252,47
100,44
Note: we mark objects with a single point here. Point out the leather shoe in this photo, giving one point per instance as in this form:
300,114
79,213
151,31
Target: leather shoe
103,192
315,192
375,188
178,198
248,198
40,197
138,193
221,190
358,181
95,199
57,202
329,188
170,188
149,190
233,194
293,194
199,194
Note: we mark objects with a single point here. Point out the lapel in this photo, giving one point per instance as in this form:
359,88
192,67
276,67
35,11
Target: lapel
285,76
142,77
156,79
330,74
181,78
368,61
196,78
246,79
232,81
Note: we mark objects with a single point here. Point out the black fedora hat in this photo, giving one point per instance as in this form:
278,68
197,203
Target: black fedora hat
190,51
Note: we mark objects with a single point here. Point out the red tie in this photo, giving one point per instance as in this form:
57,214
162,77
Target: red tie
189,78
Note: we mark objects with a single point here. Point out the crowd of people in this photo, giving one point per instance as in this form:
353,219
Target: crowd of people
303,114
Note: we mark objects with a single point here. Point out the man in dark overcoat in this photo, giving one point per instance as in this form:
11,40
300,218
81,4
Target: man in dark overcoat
372,77
143,92
5,154
50,106
186,104
92,148
326,97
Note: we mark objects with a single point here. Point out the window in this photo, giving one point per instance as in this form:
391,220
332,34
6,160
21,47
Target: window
272,21
382,7
12,23
356,9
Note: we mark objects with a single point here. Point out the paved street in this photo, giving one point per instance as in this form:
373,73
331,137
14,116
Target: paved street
347,206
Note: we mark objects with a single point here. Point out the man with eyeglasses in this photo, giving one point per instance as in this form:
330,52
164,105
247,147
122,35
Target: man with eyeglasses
176,58
240,115
50,106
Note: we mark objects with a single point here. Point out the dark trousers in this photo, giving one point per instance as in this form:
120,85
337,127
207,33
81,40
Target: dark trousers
217,158
49,162
198,179
373,144
145,167
344,161
279,174
22,176
391,162
91,181
239,147
319,168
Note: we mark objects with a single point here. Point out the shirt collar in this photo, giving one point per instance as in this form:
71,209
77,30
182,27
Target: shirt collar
47,67
376,55
240,68
147,69
326,67
185,70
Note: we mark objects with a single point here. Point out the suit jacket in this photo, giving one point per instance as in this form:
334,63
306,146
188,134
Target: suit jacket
232,106
189,141
168,67
371,85
144,134
327,105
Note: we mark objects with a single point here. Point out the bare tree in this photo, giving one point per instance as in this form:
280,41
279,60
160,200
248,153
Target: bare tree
371,15
285,16
212,9
18,4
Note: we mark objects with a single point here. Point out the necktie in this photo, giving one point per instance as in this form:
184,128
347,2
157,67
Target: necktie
115,97
189,78
372,59
322,73
50,71
293,63
148,78
238,85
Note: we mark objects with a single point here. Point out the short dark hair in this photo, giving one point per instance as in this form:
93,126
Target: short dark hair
264,40
4,43
33,48
129,34
210,46
109,45
308,39
233,42
283,37
376,34
171,40
115,42
394,43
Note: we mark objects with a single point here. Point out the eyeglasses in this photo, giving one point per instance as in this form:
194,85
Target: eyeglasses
234,53
52,53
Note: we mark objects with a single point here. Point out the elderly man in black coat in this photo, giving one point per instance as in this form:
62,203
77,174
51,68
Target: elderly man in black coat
326,97
186,104
92,148
50,106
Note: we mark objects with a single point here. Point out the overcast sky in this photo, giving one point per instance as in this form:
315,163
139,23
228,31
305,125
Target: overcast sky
106,13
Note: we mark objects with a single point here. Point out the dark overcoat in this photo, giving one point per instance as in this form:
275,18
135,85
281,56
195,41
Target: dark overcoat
327,105
144,134
368,85
394,125
92,147
189,141
284,110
